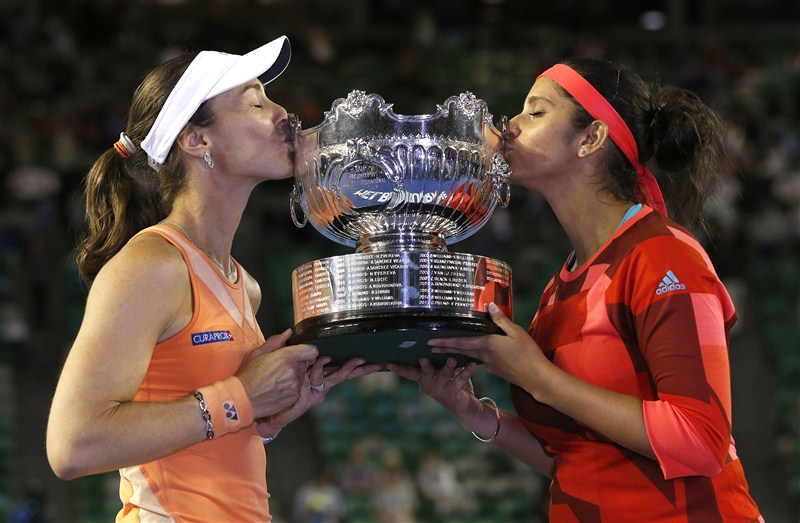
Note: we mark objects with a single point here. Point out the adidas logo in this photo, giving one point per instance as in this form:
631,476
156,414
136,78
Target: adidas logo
669,283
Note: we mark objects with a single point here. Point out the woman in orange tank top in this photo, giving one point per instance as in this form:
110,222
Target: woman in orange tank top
169,379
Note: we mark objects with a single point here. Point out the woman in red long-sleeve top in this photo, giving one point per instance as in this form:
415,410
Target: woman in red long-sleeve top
621,385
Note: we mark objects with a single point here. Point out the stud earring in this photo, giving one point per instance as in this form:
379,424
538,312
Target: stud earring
208,159
582,152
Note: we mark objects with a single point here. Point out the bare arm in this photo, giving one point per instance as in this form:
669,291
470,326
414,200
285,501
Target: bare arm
516,358
515,439
93,424
616,416
140,297
452,388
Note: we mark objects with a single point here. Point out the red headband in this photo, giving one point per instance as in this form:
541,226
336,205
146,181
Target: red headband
598,107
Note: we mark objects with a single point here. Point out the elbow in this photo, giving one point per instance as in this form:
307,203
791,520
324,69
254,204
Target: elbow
61,466
65,460
685,445
709,469
688,457
695,456
64,473
63,463
702,464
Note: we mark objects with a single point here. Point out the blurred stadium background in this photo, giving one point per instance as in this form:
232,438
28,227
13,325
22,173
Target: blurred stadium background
69,69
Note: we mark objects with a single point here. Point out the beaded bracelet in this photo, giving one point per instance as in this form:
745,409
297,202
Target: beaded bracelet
491,403
206,415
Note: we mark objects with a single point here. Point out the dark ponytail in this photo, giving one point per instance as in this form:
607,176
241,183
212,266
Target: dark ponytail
687,136
125,195
118,205
678,136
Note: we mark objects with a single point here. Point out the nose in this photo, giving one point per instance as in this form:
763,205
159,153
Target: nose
512,129
281,120
281,115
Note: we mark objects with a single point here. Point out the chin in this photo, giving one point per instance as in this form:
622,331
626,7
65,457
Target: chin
281,168
286,172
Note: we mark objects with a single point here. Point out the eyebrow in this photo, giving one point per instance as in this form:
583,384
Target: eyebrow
532,99
252,85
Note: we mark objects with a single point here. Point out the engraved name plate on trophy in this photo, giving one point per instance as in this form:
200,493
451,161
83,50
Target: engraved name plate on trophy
399,189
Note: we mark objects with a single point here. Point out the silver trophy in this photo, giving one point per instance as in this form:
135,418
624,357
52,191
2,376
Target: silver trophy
399,189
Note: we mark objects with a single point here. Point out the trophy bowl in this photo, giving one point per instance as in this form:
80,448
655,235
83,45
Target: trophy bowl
400,189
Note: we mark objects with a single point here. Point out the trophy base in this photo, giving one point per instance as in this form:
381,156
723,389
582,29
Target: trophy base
400,338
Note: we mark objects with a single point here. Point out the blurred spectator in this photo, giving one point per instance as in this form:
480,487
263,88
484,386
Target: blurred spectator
358,475
394,499
319,501
30,509
438,482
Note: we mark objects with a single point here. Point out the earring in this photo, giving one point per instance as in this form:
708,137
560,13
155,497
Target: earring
582,152
209,161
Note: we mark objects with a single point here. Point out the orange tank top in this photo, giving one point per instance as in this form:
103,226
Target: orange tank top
222,479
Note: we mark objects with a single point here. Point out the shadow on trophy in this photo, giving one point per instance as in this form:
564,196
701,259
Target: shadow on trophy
399,189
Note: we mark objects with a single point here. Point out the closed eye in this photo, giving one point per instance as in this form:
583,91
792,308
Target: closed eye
537,113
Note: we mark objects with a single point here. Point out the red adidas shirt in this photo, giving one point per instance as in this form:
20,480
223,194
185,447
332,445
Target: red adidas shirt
646,316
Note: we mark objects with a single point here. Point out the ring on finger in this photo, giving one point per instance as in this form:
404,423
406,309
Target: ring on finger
319,388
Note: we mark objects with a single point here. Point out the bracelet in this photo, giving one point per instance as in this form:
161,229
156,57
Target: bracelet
491,403
206,415
270,439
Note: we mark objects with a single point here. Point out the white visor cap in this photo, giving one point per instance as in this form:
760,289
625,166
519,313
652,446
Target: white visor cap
210,73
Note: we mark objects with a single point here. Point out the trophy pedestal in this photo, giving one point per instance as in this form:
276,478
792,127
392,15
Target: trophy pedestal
390,337
385,306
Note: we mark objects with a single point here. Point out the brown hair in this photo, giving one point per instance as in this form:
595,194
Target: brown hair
126,195
678,136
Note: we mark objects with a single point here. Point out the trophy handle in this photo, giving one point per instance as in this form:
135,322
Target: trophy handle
500,174
503,191
294,200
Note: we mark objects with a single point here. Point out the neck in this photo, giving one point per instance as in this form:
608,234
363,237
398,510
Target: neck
209,225
590,226
210,208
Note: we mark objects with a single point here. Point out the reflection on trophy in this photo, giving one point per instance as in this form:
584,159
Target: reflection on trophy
399,189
